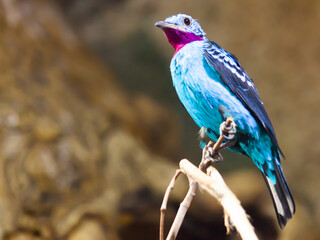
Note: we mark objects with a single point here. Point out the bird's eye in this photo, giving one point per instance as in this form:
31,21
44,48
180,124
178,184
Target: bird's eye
187,21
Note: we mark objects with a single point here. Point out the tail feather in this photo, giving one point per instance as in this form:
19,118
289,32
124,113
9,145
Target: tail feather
282,199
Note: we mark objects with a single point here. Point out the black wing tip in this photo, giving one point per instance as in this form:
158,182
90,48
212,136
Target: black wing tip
285,206
282,220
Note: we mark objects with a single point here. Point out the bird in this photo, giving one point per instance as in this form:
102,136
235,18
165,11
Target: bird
211,84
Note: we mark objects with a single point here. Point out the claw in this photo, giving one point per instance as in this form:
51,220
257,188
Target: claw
209,155
228,132
227,144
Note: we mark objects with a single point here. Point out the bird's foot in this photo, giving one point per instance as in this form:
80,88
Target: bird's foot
228,132
209,156
227,144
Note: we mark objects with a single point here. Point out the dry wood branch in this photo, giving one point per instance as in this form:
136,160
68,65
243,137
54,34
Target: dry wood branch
184,206
216,187
165,202
214,184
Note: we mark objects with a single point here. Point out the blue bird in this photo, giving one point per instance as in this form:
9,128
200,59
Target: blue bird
211,85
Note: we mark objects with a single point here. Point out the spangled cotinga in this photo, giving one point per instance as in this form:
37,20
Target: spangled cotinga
211,85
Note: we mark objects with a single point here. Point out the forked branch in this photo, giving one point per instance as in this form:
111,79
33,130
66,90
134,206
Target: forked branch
213,183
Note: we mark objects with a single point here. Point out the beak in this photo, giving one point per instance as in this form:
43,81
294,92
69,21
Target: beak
163,24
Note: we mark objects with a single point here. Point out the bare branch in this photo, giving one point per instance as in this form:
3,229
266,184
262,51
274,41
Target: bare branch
216,187
165,202
184,206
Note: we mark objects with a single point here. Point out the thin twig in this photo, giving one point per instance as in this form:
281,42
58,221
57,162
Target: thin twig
183,208
165,202
216,187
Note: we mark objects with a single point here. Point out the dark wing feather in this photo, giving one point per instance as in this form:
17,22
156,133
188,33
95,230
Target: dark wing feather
235,77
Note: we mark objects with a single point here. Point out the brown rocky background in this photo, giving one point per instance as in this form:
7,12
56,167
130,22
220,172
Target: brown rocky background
91,129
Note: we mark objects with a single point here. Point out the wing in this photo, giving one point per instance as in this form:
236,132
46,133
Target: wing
235,77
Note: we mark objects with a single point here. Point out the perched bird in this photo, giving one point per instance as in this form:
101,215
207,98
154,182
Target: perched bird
211,85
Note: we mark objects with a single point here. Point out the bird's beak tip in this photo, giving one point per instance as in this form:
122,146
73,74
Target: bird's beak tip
160,24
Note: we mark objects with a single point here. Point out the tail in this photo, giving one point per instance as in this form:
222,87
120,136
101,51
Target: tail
281,196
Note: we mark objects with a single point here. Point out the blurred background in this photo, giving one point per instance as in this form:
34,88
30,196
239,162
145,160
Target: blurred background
92,131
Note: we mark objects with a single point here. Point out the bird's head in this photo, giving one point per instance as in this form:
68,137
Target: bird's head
181,29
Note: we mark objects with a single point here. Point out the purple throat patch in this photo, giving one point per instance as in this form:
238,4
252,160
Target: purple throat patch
178,39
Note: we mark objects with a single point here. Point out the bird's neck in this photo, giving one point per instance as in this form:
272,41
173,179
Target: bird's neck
178,39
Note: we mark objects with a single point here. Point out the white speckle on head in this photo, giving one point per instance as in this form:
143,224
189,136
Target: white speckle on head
194,26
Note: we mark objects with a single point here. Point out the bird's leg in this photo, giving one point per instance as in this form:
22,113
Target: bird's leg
228,132
210,152
209,155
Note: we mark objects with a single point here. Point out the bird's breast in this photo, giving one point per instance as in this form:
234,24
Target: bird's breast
199,92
